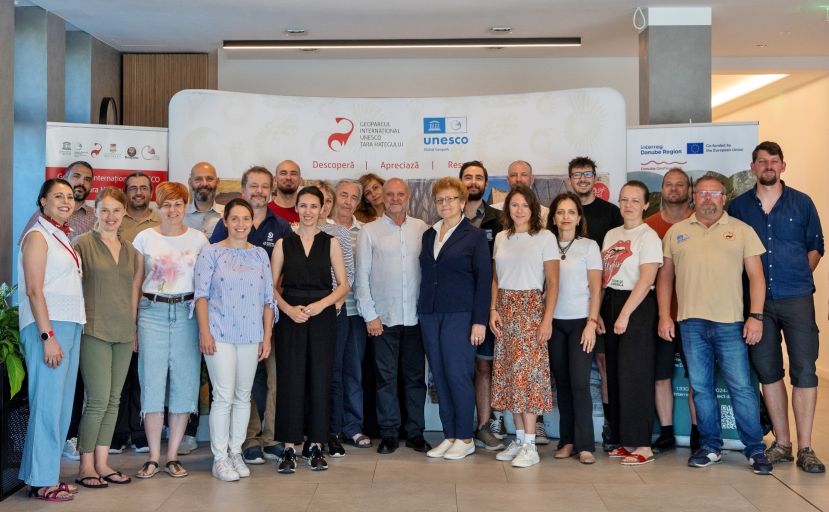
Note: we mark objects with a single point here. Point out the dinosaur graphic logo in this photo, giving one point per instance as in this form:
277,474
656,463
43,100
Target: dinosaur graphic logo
613,258
337,140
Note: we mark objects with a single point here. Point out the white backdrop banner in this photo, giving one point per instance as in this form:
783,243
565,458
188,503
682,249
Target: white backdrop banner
114,152
414,138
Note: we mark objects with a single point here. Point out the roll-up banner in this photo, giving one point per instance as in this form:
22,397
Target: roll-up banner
723,149
114,152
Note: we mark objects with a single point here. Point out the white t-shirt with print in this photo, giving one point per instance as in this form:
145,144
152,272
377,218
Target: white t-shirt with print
624,251
519,259
573,286
169,260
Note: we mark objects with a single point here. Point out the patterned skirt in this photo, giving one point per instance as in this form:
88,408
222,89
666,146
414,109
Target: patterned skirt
521,368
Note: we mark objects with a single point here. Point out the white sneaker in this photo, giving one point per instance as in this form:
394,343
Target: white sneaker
188,444
511,451
440,450
459,450
70,449
223,470
239,465
115,450
528,456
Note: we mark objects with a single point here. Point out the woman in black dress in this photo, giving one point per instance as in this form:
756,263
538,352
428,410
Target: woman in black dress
306,331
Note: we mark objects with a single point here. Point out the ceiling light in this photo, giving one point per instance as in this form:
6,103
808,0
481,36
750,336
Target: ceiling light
750,84
500,30
365,44
295,31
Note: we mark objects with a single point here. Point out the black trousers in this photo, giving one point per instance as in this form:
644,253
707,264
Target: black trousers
399,353
630,369
77,409
571,367
304,362
128,425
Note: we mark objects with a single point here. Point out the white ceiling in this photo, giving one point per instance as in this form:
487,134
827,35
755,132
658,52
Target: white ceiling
787,28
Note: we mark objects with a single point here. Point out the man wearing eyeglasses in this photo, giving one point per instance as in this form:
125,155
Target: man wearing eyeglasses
139,215
602,216
707,254
787,222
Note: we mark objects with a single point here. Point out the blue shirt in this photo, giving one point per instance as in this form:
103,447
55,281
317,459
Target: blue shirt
238,285
789,232
271,229
388,270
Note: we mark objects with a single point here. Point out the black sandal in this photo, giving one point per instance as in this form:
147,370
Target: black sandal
144,473
175,469
83,482
108,478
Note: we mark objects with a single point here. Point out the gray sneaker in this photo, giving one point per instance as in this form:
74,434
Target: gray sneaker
485,439
541,432
777,453
188,444
808,461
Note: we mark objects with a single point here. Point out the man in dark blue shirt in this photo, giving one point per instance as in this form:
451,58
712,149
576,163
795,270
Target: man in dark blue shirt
257,183
787,223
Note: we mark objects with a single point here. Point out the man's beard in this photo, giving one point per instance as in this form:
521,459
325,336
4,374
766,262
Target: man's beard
205,194
476,196
768,182
681,200
80,193
287,190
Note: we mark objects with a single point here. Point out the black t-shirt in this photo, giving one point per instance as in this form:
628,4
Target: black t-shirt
601,218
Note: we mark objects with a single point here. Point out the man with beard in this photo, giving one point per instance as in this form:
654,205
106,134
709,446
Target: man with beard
707,254
288,180
601,216
676,190
139,215
257,183
79,175
203,212
474,175
787,222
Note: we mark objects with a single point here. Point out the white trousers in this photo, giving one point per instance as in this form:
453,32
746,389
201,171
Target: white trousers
231,368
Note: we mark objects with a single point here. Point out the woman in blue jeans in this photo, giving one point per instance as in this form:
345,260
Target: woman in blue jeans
169,360
51,320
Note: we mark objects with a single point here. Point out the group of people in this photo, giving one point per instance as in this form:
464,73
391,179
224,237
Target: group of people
278,291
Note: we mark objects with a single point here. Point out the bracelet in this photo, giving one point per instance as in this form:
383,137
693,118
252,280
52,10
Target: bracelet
593,320
494,309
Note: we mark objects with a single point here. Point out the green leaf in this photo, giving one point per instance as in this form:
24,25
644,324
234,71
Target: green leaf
14,367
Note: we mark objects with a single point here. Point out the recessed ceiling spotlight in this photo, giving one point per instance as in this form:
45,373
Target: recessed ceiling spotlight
295,31
500,30
309,49
761,45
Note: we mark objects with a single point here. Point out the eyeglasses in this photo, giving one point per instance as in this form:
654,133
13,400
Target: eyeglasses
136,188
708,194
446,200
585,174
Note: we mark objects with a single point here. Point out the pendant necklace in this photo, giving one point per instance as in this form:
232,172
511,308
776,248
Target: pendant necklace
563,250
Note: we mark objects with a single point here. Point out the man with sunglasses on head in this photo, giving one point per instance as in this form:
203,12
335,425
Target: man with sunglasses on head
787,222
706,254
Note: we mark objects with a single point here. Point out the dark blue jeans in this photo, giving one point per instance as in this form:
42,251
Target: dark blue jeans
336,421
398,352
355,350
706,343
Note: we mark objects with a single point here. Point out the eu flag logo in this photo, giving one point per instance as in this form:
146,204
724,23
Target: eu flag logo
695,148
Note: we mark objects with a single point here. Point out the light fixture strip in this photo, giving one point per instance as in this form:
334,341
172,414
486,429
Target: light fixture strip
365,44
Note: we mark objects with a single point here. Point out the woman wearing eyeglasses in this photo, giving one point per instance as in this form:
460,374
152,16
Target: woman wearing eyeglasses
631,255
454,297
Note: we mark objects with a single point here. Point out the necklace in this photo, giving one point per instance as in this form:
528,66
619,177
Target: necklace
563,250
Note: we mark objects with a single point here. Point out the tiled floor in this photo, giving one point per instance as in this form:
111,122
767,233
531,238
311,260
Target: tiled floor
406,481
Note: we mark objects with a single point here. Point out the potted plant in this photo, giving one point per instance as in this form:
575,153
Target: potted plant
11,351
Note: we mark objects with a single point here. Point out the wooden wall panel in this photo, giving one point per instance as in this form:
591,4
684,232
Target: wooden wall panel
151,79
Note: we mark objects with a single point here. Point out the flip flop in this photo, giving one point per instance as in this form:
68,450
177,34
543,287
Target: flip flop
635,459
111,480
619,453
63,486
175,469
146,467
53,495
83,482
358,443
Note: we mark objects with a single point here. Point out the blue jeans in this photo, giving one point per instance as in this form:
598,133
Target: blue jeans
706,342
355,350
336,421
169,360
51,393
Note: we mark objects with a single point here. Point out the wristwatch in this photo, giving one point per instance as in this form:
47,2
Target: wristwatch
756,316
44,336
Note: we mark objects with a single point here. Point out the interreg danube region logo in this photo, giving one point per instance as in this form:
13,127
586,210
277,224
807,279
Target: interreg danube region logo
444,131
337,140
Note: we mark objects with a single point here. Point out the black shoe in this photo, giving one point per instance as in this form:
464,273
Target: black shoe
335,447
695,441
388,445
287,464
306,450
418,444
664,443
317,459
